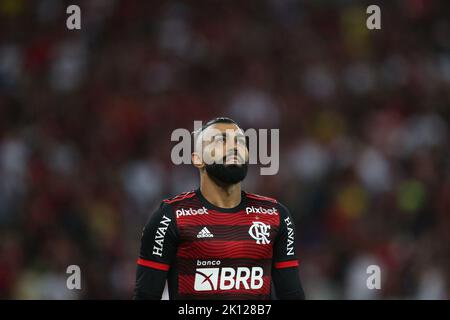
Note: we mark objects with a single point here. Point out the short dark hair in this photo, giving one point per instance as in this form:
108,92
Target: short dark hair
214,121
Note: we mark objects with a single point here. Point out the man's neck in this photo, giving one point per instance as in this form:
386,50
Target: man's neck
228,196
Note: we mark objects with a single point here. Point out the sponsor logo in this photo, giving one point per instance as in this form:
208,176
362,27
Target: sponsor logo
290,239
204,233
260,232
160,235
272,211
190,212
203,263
227,278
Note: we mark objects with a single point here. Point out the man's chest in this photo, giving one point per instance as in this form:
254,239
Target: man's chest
227,235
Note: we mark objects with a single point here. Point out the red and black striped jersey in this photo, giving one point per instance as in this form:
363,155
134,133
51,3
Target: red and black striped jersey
208,252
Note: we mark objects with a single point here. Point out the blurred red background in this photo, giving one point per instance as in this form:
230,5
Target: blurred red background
86,118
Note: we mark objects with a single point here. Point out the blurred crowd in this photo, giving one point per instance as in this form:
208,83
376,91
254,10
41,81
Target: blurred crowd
86,117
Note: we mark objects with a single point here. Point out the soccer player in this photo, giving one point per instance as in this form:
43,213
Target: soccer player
219,242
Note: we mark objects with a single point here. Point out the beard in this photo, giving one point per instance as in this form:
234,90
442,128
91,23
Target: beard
227,174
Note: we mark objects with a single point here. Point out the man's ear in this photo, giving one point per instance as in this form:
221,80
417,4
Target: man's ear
197,160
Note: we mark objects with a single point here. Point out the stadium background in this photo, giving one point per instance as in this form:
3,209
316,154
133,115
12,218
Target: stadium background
86,117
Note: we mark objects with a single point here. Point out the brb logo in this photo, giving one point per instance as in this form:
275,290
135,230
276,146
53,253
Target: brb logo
260,232
210,279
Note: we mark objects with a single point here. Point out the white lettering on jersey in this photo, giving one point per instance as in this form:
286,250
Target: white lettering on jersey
227,278
190,212
160,236
290,239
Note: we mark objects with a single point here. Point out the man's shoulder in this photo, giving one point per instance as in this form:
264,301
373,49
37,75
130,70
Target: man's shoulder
168,205
179,197
184,204
268,201
259,197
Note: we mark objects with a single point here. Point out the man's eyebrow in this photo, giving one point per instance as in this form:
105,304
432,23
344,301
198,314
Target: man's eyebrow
238,133
220,134
226,135
223,134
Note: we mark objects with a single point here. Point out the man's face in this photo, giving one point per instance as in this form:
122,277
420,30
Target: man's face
224,143
224,153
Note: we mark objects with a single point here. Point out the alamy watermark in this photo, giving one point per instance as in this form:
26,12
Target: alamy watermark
257,142
374,279
373,22
73,21
74,280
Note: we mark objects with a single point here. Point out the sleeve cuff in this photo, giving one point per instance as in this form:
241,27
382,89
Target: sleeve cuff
153,264
286,264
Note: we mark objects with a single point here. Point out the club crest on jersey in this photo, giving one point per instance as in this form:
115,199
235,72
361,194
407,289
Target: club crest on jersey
260,232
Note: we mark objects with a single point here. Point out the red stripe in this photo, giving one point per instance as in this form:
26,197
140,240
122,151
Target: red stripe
180,197
222,232
224,249
229,219
286,264
152,264
258,197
